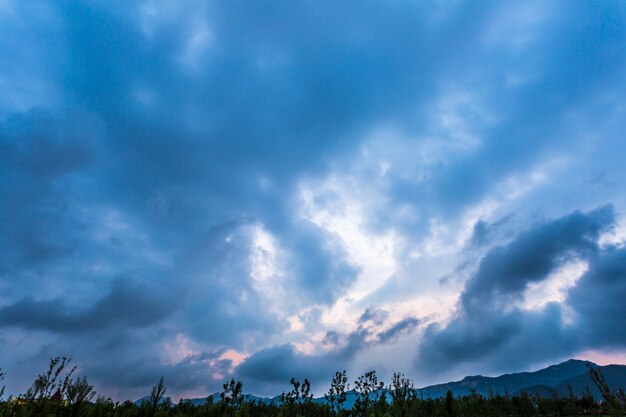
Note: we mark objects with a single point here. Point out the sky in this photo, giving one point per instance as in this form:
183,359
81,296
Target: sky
206,190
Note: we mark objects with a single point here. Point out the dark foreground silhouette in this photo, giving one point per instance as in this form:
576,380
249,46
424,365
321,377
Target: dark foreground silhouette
56,392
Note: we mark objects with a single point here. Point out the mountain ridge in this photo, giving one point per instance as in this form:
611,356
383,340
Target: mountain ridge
559,379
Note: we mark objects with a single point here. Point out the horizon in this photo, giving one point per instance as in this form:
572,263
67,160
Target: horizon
205,191
321,394
430,385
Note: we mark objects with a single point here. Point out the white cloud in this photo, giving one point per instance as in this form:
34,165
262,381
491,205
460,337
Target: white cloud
554,287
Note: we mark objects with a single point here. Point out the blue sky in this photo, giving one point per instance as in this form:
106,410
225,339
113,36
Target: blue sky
205,190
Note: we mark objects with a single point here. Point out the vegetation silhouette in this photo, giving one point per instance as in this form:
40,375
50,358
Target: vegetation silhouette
615,399
56,392
338,392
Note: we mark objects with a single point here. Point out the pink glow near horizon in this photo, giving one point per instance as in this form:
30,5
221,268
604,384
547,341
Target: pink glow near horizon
603,358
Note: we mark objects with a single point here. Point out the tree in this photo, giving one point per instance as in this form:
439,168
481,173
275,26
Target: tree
615,402
79,392
299,397
3,387
368,390
450,404
158,391
402,393
51,383
232,396
337,393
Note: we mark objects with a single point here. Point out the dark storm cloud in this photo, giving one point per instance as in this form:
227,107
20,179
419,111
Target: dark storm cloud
498,339
404,326
313,255
598,299
483,232
125,306
182,178
489,329
129,362
375,315
39,152
43,146
215,275
189,373
506,271
532,120
276,365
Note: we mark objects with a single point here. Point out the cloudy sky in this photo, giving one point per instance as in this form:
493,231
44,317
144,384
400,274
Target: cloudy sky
206,189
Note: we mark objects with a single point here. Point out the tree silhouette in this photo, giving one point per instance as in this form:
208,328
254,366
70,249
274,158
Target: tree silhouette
79,392
299,398
337,393
615,402
402,393
368,390
450,404
3,387
232,396
158,391
51,382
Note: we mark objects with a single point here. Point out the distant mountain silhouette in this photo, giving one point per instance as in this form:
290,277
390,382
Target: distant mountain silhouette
215,397
615,376
514,383
553,380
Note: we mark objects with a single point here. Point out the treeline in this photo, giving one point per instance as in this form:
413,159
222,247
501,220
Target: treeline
57,393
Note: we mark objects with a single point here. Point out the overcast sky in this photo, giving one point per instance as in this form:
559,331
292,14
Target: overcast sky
259,190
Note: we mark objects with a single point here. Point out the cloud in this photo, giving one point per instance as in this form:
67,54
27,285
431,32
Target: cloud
124,307
273,367
598,300
318,262
491,328
40,153
506,271
404,326
189,374
155,140
375,315
482,231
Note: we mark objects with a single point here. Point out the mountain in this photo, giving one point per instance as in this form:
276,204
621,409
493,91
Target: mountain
146,399
553,380
615,376
215,398
510,383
